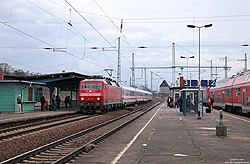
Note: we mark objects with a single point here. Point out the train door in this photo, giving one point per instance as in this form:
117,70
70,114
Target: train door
106,94
223,98
244,97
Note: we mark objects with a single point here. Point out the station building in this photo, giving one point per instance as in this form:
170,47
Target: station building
164,89
31,88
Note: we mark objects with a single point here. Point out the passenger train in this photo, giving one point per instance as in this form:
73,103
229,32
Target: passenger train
232,94
105,94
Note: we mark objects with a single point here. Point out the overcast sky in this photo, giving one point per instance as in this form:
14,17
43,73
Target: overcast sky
48,36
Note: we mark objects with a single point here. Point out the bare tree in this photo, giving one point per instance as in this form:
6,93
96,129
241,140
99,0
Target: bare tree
8,70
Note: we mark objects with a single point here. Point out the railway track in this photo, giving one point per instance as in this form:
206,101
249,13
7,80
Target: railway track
32,121
66,149
12,132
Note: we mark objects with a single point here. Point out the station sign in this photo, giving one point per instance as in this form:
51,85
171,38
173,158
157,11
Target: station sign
212,83
186,83
194,83
208,83
204,83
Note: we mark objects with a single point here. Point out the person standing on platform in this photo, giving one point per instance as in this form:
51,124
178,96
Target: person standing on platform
169,101
58,101
180,103
70,102
42,100
66,101
54,103
176,105
19,104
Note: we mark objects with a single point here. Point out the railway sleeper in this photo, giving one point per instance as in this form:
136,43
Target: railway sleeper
47,155
40,159
63,149
36,162
39,162
56,152
61,152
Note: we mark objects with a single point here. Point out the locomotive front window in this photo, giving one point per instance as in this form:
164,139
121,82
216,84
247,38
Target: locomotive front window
91,86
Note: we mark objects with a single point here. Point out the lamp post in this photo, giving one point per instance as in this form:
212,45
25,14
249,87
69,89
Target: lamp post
199,27
190,57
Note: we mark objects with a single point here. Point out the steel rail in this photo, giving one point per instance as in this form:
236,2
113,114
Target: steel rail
73,154
43,126
34,152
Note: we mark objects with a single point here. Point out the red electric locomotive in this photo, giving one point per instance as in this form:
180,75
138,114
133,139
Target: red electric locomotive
233,94
99,95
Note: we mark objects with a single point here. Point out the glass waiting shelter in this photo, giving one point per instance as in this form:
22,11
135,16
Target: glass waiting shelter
189,101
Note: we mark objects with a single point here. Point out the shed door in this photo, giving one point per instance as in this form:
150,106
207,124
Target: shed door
30,95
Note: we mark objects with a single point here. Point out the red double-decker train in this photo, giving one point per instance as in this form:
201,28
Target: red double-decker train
232,94
106,94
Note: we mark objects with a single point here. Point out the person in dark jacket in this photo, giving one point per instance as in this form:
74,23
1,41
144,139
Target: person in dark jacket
42,100
180,102
54,102
169,101
66,101
58,101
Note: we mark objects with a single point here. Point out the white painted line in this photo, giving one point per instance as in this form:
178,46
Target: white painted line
206,128
180,155
133,140
235,117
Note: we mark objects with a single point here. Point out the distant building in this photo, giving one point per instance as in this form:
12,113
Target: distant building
164,89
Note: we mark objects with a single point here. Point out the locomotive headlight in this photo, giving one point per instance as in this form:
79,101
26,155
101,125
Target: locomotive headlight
98,98
82,98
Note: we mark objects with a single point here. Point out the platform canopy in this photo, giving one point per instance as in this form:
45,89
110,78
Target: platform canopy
65,81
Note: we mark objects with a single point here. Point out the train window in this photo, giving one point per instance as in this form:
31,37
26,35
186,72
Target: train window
238,91
230,92
93,86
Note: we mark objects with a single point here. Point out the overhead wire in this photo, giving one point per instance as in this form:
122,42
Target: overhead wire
119,30
238,47
168,18
95,28
47,43
89,23
85,39
157,54
26,34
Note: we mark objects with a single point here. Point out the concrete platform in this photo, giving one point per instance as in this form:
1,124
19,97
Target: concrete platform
164,135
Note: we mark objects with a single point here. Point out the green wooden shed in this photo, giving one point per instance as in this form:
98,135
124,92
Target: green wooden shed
9,91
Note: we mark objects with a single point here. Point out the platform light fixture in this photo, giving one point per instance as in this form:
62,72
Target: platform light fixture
199,27
187,57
